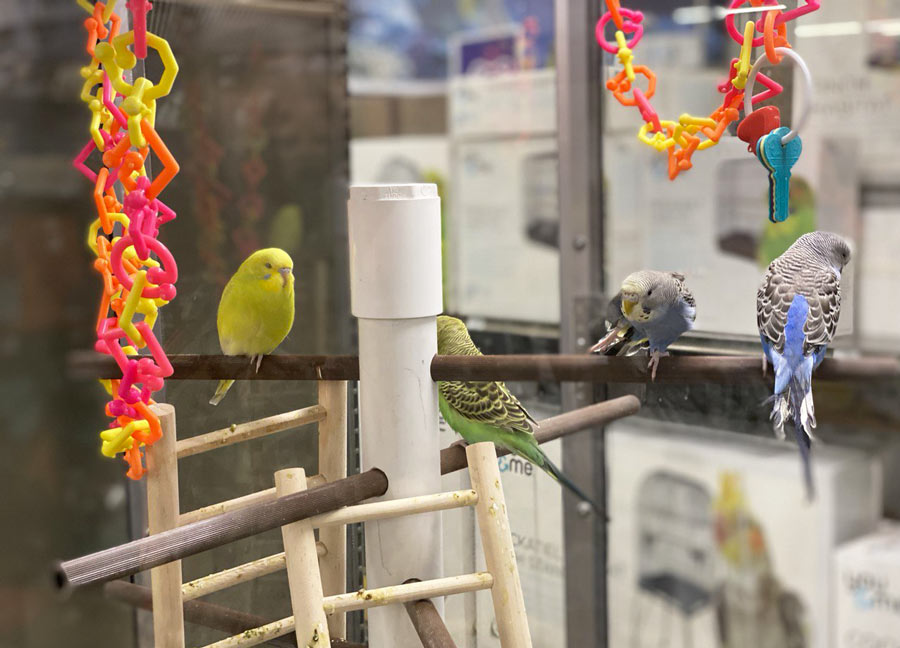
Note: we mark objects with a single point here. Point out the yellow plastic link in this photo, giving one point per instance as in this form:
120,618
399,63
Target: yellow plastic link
116,440
131,304
743,64
625,56
658,140
107,385
140,98
94,229
700,122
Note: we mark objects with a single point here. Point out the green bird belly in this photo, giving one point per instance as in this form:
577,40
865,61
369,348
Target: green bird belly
520,443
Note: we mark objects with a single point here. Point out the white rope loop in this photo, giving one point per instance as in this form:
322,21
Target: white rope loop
807,78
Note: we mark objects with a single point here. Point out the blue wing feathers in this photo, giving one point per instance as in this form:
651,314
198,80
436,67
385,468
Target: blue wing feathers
669,327
793,374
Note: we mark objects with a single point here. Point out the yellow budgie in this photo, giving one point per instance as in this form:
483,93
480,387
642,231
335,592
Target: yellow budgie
256,311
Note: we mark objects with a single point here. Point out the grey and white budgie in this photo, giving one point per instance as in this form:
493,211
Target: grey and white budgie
653,308
797,310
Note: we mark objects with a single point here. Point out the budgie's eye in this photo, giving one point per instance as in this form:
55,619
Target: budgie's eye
649,292
269,266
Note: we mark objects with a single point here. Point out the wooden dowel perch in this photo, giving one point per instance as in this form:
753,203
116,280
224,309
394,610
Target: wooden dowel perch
193,538
235,575
364,599
144,553
335,519
453,458
162,516
558,368
252,430
258,497
675,369
205,614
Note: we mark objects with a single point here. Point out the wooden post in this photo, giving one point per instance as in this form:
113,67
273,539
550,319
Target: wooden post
311,624
162,515
496,540
333,465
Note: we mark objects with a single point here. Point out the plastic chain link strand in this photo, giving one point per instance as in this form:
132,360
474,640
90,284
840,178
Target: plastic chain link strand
137,271
681,139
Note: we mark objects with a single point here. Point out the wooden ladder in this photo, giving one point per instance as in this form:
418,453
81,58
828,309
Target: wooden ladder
317,570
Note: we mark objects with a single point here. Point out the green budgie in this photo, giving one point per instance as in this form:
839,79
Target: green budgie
487,411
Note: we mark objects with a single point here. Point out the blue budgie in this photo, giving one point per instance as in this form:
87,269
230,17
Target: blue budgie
797,310
652,308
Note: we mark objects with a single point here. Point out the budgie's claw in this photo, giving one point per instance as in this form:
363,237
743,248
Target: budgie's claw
607,341
258,361
654,362
765,365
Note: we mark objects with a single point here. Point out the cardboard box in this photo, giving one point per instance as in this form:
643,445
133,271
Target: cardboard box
534,508
712,540
867,590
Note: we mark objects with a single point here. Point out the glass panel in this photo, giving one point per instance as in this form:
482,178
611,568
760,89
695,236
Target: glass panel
705,523
464,95
257,121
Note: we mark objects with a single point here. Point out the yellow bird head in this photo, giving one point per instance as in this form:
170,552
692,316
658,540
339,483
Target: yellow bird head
272,266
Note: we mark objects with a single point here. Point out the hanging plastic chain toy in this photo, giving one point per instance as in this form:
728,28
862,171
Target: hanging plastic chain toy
681,139
124,235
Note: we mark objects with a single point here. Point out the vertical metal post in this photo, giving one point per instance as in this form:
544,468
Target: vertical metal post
395,292
579,126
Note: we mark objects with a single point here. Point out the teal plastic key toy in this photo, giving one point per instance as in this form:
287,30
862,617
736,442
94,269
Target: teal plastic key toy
779,157
780,148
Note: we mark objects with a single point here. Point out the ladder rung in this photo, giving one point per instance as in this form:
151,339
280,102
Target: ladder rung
366,599
250,430
396,508
236,575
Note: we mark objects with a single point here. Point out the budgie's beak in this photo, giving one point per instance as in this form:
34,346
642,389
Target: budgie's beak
630,298
285,275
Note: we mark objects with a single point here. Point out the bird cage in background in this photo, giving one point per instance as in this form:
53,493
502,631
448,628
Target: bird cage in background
675,545
540,184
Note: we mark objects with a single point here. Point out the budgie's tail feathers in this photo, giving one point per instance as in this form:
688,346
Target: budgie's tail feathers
221,390
551,469
795,404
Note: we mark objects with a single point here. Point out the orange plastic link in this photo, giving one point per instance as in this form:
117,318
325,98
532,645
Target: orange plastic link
170,165
613,7
620,84
769,38
99,201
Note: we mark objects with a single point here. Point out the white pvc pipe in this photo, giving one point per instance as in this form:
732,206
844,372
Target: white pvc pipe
395,292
